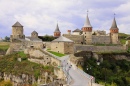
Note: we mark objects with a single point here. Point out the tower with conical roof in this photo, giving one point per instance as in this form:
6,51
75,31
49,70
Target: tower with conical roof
114,32
17,32
57,32
34,34
87,31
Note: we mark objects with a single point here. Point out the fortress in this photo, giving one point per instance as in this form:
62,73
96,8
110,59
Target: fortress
87,36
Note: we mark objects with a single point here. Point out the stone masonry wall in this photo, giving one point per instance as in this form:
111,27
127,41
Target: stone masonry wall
99,48
57,47
69,47
76,38
101,39
47,45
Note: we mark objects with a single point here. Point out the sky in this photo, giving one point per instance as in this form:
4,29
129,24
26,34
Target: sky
43,15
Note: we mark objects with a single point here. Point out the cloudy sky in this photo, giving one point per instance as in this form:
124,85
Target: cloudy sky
43,15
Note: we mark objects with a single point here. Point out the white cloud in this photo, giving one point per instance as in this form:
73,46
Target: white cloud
42,15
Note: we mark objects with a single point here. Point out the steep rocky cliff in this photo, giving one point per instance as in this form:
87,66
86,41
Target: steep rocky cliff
100,56
22,71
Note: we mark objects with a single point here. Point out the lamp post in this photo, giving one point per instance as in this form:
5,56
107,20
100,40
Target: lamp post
98,63
89,68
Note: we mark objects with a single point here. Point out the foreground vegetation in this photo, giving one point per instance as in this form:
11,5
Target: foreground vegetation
6,83
10,64
113,72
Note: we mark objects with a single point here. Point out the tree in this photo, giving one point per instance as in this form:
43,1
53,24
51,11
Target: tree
7,38
46,38
94,33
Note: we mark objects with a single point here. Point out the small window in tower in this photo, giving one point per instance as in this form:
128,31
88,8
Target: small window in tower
85,33
56,47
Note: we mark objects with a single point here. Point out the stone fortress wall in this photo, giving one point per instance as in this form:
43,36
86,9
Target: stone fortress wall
47,45
99,48
57,47
101,39
76,38
42,57
96,39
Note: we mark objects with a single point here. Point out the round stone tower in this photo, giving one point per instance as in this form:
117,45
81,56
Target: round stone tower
17,32
87,31
114,32
57,32
34,34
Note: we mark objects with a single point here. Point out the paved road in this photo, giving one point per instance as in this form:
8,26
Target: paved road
79,79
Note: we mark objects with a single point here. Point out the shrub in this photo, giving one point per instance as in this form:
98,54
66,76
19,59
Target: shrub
6,83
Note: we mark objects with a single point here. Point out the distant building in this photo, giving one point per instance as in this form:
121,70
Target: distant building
64,44
1,39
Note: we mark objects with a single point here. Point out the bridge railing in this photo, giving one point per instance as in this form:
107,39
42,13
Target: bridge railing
69,78
90,77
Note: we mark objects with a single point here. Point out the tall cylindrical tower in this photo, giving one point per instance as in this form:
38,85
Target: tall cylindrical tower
17,31
87,31
57,32
34,34
114,32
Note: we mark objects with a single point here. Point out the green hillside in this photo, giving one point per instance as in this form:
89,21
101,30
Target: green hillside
122,37
9,64
4,45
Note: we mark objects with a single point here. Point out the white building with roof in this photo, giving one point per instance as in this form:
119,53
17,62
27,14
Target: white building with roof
77,32
62,45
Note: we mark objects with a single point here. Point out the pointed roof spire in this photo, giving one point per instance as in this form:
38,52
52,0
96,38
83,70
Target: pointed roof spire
57,28
87,22
17,24
114,25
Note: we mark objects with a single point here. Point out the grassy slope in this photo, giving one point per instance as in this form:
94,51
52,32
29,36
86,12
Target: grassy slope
4,45
9,64
56,53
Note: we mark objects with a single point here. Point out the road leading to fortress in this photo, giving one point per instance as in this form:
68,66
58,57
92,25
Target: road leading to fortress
78,78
